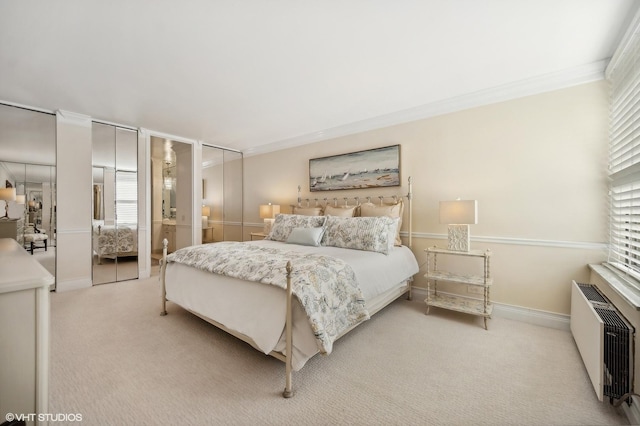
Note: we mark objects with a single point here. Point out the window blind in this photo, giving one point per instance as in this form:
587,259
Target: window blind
624,159
126,198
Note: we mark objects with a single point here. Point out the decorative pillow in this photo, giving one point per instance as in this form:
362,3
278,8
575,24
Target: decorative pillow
361,233
285,223
390,210
341,211
306,236
308,211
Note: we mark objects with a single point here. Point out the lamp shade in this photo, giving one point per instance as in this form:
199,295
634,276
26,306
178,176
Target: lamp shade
206,211
8,194
459,212
268,211
21,199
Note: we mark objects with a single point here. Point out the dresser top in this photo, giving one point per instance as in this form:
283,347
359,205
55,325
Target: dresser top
19,270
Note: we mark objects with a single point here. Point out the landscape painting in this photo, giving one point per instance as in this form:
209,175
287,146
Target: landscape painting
372,168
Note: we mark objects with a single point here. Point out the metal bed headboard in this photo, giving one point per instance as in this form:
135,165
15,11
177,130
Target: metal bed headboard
357,200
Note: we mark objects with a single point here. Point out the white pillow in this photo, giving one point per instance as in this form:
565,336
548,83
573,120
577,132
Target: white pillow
306,236
308,211
341,211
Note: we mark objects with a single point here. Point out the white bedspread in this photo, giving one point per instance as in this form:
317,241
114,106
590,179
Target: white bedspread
257,310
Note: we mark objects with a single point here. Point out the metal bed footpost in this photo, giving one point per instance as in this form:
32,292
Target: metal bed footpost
409,198
288,391
163,268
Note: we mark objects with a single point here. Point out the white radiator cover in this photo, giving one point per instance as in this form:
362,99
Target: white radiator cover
605,340
588,332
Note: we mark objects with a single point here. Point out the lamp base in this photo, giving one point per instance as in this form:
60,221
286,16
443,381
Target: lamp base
459,238
268,223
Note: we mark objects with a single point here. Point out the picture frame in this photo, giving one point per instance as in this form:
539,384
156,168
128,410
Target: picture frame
371,168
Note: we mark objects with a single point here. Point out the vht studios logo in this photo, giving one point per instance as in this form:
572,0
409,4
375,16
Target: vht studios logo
44,417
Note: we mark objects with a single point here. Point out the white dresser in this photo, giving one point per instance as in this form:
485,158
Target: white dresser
24,332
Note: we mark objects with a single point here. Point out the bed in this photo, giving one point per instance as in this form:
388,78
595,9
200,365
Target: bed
110,243
295,293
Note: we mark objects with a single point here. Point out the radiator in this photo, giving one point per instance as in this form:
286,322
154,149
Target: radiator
605,341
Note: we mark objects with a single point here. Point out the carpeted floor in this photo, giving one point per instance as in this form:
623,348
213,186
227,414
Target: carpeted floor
116,361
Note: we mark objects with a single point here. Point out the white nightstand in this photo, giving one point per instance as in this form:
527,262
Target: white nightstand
258,236
481,307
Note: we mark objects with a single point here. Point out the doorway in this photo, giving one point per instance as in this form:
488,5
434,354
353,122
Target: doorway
171,195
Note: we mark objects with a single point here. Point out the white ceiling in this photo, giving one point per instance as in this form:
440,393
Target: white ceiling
256,75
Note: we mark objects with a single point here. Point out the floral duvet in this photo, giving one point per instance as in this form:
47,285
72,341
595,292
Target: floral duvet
325,286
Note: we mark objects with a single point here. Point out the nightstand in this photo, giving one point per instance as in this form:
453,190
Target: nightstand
207,234
479,284
258,236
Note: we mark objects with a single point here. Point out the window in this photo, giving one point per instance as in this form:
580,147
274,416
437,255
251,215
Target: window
624,155
126,198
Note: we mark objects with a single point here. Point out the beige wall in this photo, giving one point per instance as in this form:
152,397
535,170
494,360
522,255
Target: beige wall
536,165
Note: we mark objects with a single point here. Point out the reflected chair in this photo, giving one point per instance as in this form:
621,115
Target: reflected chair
33,236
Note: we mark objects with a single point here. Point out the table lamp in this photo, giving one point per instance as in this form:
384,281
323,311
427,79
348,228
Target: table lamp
6,195
458,215
206,211
268,212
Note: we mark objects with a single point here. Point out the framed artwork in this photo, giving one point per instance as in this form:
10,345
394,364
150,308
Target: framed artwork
371,168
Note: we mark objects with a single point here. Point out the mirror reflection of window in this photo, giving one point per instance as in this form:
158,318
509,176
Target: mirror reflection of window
115,203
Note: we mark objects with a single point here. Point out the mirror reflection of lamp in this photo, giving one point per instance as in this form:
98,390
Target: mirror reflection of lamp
167,182
6,195
268,212
206,212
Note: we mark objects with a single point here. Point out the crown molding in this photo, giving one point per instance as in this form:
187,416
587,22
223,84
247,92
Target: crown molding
632,28
73,118
531,86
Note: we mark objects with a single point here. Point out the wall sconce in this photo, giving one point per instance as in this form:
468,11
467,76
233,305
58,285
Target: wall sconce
168,184
6,195
268,212
458,215
21,199
206,212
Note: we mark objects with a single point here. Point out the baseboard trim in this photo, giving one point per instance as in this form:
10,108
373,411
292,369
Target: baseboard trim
68,285
518,313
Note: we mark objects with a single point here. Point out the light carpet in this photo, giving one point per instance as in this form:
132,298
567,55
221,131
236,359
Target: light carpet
116,361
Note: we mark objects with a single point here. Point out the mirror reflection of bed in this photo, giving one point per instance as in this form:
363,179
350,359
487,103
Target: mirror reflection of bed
115,204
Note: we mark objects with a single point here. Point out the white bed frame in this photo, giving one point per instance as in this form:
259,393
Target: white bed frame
286,355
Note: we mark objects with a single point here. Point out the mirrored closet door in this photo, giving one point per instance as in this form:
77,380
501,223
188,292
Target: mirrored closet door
115,203
27,166
221,194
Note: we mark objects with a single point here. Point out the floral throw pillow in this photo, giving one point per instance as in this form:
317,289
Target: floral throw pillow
391,210
285,223
361,233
